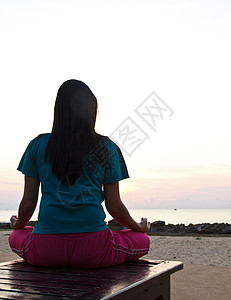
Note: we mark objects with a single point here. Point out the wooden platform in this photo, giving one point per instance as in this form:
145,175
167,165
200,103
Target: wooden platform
135,280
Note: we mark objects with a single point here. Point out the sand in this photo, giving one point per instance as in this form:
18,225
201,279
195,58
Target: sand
210,251
207,264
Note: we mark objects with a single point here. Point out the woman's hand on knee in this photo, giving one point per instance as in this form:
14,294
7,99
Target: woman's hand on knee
144,225
13,220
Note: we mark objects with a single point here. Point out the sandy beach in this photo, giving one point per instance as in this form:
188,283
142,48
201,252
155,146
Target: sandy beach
207,264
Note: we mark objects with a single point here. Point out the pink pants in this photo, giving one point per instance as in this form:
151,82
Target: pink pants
87,250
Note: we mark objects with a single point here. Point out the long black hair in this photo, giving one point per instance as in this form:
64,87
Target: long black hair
73,133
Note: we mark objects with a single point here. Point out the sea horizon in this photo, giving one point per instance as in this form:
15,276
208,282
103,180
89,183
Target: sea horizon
169,216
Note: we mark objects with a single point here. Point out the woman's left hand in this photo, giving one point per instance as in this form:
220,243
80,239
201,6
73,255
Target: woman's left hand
144,225
13,220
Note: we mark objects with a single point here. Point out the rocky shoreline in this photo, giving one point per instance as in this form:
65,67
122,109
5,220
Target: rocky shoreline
162,228
6,225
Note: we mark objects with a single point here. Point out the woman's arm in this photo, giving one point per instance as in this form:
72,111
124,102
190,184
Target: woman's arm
28,203
118,210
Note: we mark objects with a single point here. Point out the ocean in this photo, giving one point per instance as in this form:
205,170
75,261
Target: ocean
170,216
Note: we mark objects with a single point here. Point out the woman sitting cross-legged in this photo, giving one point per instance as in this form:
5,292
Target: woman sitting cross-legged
78,169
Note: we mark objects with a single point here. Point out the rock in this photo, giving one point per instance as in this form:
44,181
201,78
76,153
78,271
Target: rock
114,225
5,225
31,223
227,230
204,228
158,223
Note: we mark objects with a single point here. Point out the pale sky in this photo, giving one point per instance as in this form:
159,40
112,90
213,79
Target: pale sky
124,51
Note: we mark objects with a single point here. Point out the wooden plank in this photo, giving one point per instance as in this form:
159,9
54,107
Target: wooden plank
129,280
159,276
15,295
101,273
147,291
56,279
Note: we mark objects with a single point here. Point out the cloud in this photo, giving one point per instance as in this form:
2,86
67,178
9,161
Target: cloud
176,195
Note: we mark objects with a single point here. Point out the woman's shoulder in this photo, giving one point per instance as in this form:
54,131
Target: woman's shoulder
42,135
106,139
39,140
107,142
111,145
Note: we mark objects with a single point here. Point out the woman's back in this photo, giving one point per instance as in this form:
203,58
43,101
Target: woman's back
75,208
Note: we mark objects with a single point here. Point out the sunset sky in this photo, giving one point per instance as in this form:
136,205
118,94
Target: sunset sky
130,53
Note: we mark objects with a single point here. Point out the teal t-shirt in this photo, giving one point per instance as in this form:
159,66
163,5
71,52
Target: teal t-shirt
76,208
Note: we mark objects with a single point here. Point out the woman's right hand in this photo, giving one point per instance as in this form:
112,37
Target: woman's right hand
144,225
